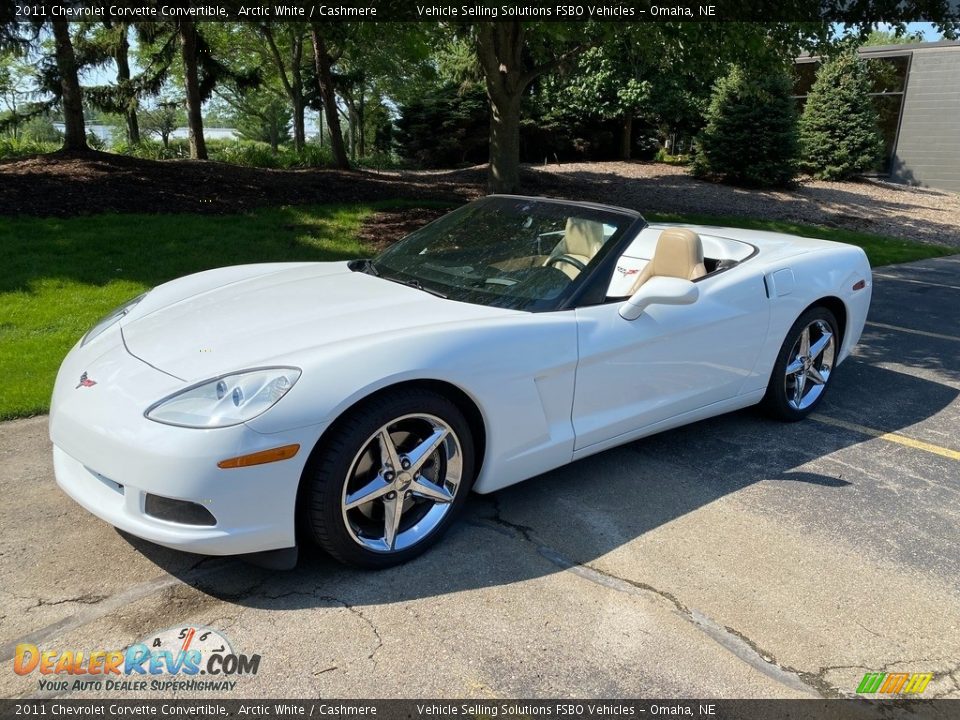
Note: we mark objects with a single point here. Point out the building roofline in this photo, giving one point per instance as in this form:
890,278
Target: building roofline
894,49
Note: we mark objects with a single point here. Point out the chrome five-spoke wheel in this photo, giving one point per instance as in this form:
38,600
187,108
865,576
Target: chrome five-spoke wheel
402,482
389,478
808,371
804,365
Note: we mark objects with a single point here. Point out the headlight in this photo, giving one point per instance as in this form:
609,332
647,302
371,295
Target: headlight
110,319
226,400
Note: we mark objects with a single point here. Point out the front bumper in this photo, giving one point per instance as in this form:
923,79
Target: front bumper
108,457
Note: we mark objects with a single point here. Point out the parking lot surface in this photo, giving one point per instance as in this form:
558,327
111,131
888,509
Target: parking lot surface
738,557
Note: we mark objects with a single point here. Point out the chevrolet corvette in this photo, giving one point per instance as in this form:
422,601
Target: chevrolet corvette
353,406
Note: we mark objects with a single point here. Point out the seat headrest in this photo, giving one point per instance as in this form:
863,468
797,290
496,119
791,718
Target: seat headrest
679,254
582,237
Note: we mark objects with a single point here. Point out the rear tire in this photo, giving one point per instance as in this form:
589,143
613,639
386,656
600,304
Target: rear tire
804,367
389,479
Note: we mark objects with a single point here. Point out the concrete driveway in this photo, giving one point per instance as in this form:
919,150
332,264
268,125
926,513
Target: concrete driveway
734,558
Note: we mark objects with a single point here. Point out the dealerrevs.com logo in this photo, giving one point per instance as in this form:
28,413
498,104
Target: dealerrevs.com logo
184,658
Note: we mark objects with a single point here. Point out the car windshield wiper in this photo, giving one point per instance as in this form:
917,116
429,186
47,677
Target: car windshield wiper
414,283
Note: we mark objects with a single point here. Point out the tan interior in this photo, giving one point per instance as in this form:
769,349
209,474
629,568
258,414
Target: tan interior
582,239
679,254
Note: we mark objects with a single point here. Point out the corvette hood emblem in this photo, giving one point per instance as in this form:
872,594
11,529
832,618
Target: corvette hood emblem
86,382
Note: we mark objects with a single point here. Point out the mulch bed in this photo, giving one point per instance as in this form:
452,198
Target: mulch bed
67,185
76,184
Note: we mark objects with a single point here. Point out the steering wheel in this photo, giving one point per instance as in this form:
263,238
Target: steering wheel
567,259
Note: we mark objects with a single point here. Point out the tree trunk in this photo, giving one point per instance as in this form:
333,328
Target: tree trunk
504,175
626,139
352,131
75,132
294,85
325,81
501,47
299,126
361,121
123,79
188,42
500,52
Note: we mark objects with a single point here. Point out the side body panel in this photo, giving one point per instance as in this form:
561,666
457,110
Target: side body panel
671,360
830,272
518,370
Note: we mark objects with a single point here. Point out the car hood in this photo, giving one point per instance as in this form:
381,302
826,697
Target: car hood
259,320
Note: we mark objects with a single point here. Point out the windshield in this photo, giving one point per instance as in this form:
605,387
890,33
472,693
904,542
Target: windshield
516,253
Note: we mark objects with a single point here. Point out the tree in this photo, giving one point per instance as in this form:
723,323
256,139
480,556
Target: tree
324,60
200,67
503,52
99,43
838,130
162,120
262,116
890,37
383,60
751,133
444,127
290,72
190,47
15,90
611,83
57,76
71,96
512,55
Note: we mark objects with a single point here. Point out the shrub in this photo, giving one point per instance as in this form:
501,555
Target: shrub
839,135
151,149
41,129
751,133
11,147
313,155
445,127
250,153
95,142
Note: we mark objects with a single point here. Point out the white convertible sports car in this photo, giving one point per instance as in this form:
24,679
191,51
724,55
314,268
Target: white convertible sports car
360,402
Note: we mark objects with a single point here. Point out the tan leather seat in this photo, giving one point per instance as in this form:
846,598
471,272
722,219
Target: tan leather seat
582,239
679,254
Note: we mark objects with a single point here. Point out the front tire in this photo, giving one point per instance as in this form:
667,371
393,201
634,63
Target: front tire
390,479
804,366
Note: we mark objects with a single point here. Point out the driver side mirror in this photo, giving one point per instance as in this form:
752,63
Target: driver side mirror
659,291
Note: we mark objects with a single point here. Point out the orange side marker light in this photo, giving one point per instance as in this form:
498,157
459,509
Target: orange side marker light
260,458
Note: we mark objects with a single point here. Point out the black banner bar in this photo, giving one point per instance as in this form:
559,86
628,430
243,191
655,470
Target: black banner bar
852,709
839,11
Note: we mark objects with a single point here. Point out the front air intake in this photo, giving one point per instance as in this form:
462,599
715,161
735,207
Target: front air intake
178,511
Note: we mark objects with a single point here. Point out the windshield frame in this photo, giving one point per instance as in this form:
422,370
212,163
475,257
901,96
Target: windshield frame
588,288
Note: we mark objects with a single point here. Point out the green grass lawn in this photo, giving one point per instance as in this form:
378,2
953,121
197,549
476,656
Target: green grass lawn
59,276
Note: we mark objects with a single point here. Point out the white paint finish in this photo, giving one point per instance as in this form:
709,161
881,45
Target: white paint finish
781,282
535,377
670,360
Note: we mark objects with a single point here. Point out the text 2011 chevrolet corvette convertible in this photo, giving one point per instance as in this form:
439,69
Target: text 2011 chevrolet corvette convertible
362,401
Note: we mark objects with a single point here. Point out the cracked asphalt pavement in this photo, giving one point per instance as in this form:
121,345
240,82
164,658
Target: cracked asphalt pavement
737,557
